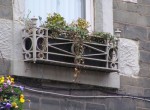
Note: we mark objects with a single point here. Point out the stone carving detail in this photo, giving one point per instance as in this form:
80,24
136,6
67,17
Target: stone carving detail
128,57
5,38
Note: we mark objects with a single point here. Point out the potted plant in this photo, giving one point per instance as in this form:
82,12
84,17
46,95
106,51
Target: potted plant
73,45
11,96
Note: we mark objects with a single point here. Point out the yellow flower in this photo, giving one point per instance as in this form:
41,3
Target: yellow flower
9,77
21,96
2,78
22,100
13,104
1,81
12,79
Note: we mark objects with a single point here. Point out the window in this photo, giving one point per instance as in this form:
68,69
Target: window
69,9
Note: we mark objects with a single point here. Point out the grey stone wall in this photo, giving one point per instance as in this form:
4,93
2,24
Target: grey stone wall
43,101
133,20
6,16
53,72
6,10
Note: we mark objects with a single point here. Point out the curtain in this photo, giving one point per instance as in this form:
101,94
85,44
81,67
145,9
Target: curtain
69,9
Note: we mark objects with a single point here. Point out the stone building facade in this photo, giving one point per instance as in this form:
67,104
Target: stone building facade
51,87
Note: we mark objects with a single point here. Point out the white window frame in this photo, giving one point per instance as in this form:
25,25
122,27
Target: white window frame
89,13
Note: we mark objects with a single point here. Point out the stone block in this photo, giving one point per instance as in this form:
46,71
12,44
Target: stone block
142,82
143,9
145,56
144,70
148,34
128,57
135,81
5,66
146,2
138,108
138,91
71,105
148,20
135,32
139,103
145,45
91,106
6,2
120,104
132,7
125,17
147,92
139,1
119,5
147,105
82,93
26,105
49,104
101,101
141,20
6,12
33,99
34,104
122,16
125,80
59,73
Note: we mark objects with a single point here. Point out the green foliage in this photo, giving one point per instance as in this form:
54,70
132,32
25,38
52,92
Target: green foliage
55,21
103,35
76,30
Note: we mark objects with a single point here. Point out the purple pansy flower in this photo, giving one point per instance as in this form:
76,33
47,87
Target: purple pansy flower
8,105
21,88
5,85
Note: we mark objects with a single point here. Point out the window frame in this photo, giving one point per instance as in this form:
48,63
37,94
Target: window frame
89,13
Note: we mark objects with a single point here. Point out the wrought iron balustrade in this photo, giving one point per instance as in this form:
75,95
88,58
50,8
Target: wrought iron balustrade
40,47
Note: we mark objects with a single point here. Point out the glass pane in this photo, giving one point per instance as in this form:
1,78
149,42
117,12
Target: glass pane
69,9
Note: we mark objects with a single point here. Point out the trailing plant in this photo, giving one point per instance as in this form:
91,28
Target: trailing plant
27,21
79,27
103,37
78,32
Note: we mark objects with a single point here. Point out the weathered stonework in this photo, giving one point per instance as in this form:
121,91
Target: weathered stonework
19,10
6,38
128,52
132,19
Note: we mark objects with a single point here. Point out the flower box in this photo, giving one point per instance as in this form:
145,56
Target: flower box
40,46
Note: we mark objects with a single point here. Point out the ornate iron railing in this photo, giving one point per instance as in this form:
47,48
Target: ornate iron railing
40,47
